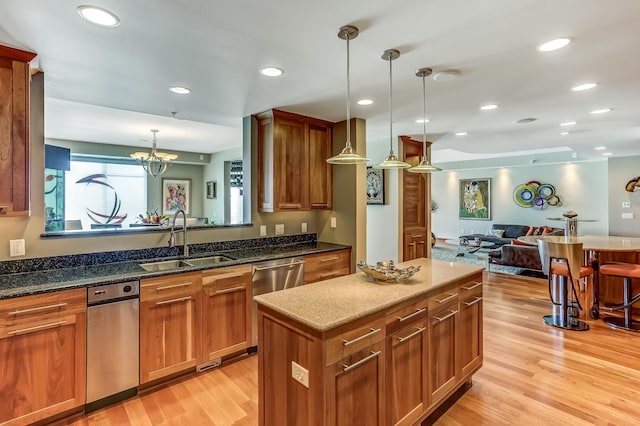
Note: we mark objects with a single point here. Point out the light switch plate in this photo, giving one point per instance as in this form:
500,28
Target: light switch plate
300,374
263,230
16,248
626,204
279,229
627,215
304,227
333,221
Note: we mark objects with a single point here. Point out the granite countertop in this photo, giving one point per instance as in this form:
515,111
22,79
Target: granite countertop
89,275
338,301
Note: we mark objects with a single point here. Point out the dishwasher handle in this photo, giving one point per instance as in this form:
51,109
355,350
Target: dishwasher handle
284,265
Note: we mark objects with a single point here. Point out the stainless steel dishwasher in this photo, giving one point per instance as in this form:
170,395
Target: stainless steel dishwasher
274,275
113,319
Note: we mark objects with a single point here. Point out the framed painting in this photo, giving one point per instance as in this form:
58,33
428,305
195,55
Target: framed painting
475,199
375,186
176,195
212,189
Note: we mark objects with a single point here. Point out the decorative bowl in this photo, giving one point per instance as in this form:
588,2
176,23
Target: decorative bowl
387,271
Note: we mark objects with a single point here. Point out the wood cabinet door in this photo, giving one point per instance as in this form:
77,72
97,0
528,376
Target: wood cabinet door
322,266
442,352
355,389
226,312
470,333
42,372
406,374
320,147
415,244
289,165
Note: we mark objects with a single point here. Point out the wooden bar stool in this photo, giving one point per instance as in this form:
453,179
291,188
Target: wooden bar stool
628,271
561,262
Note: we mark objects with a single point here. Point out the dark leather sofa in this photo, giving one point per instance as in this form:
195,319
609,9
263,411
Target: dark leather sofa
519,256
510,232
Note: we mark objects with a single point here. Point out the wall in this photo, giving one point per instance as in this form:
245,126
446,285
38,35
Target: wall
582,188
382,220
214,171
621,171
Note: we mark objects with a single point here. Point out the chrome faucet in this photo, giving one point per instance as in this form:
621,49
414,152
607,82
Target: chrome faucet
172,237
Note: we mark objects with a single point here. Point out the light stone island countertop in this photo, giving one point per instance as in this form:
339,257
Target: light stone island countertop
328,304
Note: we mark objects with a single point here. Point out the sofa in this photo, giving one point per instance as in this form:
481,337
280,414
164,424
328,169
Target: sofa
520,256
493,235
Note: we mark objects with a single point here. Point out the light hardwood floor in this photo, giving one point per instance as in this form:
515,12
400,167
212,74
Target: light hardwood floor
533,374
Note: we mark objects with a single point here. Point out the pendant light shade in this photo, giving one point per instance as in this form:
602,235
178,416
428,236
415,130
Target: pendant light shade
392,161
424,166
154,163
348,154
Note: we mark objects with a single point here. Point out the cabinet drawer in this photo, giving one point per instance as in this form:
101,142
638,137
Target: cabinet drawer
354,340
471,288
323,266
172,286
408,313
42,306
443,299
226,278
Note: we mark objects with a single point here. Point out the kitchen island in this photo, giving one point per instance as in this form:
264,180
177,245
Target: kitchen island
348,351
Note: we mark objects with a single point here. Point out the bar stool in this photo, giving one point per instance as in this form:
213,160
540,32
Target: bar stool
563,261
628,271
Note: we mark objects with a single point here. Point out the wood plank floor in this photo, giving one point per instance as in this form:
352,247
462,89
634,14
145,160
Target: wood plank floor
533,374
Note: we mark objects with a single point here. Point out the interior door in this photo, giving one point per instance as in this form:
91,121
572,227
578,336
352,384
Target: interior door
415,190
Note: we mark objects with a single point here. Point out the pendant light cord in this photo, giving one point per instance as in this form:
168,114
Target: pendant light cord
424,118
390,108
348,144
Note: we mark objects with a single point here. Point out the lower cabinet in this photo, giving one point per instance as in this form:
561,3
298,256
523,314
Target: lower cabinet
169,325
323,266
226,311
470,327
415,244
443,370
43,353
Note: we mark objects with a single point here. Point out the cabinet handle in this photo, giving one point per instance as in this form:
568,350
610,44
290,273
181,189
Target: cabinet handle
476,300
416,235
451,313
37,327
418,311
328,274
166,287
39,308
179,299
346,367
329,259
284,265
451,296
290,206
318,204
230,290
415,333
475,285
364,336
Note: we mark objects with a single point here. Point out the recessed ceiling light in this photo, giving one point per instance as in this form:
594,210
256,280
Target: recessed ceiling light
555,44
422,120
462,134
271,71
600,148
601,111
564,133
606,154
525,120
98,16
568,123
488,107
365,102
584,86
180,90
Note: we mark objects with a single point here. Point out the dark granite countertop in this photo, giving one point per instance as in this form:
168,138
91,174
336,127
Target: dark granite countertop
93,273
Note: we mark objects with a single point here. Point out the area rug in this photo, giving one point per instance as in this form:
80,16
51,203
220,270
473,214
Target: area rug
451,254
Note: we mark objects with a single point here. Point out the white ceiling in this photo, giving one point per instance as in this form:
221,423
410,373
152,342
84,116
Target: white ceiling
110,85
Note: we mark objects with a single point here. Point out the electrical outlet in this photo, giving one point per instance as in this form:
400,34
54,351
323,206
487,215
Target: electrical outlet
627,215
304,227
300,374
333,221
263,230
626,204
16,248
279,229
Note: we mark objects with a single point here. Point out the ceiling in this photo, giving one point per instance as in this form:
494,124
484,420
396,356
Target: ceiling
110,85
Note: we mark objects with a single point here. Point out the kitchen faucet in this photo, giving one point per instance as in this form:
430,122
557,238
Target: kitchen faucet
172,238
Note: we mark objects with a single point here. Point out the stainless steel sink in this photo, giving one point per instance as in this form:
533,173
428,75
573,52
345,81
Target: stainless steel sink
167,265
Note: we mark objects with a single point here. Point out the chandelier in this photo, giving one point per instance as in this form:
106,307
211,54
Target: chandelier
154,163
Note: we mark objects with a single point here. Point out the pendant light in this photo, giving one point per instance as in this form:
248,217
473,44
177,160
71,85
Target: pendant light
424,166
391,162
348,154
154,163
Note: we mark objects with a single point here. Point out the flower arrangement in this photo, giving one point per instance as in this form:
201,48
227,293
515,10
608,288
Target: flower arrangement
153,218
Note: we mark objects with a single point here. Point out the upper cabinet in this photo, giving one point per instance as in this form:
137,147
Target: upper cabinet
14,131
293,173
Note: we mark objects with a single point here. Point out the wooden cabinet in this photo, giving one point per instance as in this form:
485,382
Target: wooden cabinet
322,266
293,174
470,327
43,353
415,243
14,131
226,311
169,324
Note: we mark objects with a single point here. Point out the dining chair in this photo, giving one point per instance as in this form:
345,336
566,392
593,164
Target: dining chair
562,264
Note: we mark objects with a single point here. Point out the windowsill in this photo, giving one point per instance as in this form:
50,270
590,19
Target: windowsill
134,230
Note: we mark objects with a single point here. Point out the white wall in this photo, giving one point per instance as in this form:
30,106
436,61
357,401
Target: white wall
213,209
621,171
382,220
582,187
